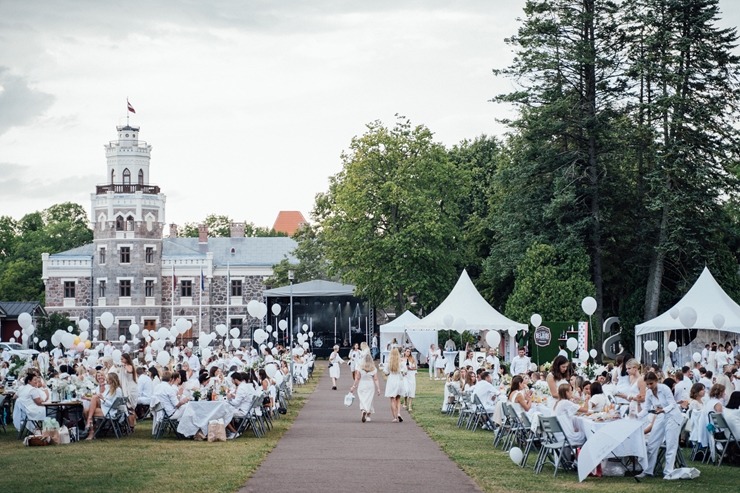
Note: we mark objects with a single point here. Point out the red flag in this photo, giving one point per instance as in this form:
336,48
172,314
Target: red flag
130,108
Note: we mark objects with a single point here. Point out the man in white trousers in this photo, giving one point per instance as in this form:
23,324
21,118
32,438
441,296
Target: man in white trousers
667,426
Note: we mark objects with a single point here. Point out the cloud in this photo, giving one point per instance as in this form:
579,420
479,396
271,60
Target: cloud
19,102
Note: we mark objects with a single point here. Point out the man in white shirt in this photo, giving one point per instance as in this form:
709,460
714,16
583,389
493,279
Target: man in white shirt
493,360
192,360
166,394
667,426
486,391
146,390
520,363
682,389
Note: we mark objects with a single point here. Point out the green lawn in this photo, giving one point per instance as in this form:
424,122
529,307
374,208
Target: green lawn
494,471
139,463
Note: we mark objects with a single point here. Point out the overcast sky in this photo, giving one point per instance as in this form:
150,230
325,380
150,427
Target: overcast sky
247,104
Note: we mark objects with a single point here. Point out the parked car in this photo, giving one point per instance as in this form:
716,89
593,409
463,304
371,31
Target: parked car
15,349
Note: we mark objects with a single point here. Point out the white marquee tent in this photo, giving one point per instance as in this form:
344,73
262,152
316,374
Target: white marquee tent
715,312
465,309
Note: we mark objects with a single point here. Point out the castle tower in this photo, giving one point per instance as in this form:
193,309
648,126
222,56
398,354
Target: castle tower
127,218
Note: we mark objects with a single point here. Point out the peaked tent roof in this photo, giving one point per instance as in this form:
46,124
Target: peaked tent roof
465,303
708,298
400,322
312,288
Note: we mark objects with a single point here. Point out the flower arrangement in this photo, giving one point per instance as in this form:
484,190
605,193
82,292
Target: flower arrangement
541,389
547,366
58,385
86,386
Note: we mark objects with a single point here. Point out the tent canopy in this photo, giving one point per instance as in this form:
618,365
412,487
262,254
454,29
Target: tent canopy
396,329
312,288
468,309
708,299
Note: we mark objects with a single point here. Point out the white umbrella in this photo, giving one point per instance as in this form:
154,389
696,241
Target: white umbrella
601,443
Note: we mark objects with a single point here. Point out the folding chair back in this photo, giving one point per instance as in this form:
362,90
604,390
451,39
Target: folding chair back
723,435
554,444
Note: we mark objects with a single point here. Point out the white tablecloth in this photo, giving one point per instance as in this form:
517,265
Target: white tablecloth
449,361
632,445
197,414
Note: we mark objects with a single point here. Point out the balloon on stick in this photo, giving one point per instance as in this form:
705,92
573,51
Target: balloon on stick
493,338
536,320
588,305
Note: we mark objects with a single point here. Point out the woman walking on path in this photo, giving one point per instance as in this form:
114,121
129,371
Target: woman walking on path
410,378
393,385
334,361
367,375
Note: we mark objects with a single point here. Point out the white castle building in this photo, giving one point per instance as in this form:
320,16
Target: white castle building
131,271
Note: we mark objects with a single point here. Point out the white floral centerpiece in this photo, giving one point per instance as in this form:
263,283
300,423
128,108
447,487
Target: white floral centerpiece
541,389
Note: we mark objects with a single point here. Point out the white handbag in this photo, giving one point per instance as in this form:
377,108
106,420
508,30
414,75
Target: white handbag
349,399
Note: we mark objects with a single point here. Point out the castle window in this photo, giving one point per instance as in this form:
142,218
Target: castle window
101,254
149,255
186,289
126,177
124,288
125,255
119,223
101,289
236,288
149,288
112,176
69,289
130,223
141,177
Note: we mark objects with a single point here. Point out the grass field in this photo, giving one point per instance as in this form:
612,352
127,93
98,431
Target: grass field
140,463
495,472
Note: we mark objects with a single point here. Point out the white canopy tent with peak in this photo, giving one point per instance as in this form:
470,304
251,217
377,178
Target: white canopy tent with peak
705,307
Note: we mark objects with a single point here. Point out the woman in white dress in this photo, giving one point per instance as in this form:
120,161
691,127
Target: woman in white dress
559,374
334,361
720,359
432,360
598,401
565,410
100,404
409,362
519,396
393,384
636,389
366,379
354,359
129,386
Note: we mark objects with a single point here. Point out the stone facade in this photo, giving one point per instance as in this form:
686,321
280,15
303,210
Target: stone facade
128,269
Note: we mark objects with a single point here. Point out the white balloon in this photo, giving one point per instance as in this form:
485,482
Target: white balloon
718,320
533,367
29,330
512,331
298,351
270,345
460,325
106,319
448,320
163,358
672,346
593,353
83,324
271,369
234,332
493,338
516,455
12,339
275,334
181,324
190,344
145,333
226,343
696,357
206,353
221,329
163,332
24,320
122,338
43,344
674,312
276,309
68,340
687,316
135,341
274,351
134,329
536,320
283,324
588,305
253,308
236,342
262,310
648,346
305,345
35,340
70,329
55,340
17,333
310,334
84,335
117,356
304,327
572,344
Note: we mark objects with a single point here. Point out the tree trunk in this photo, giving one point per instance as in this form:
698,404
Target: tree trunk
655,275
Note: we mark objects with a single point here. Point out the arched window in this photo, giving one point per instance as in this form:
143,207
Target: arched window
141,177
112,176
130,223
126,177
119,223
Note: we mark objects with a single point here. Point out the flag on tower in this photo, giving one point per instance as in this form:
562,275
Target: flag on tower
130,108
202,281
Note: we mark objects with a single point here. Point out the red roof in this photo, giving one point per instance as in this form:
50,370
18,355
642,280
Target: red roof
288,222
